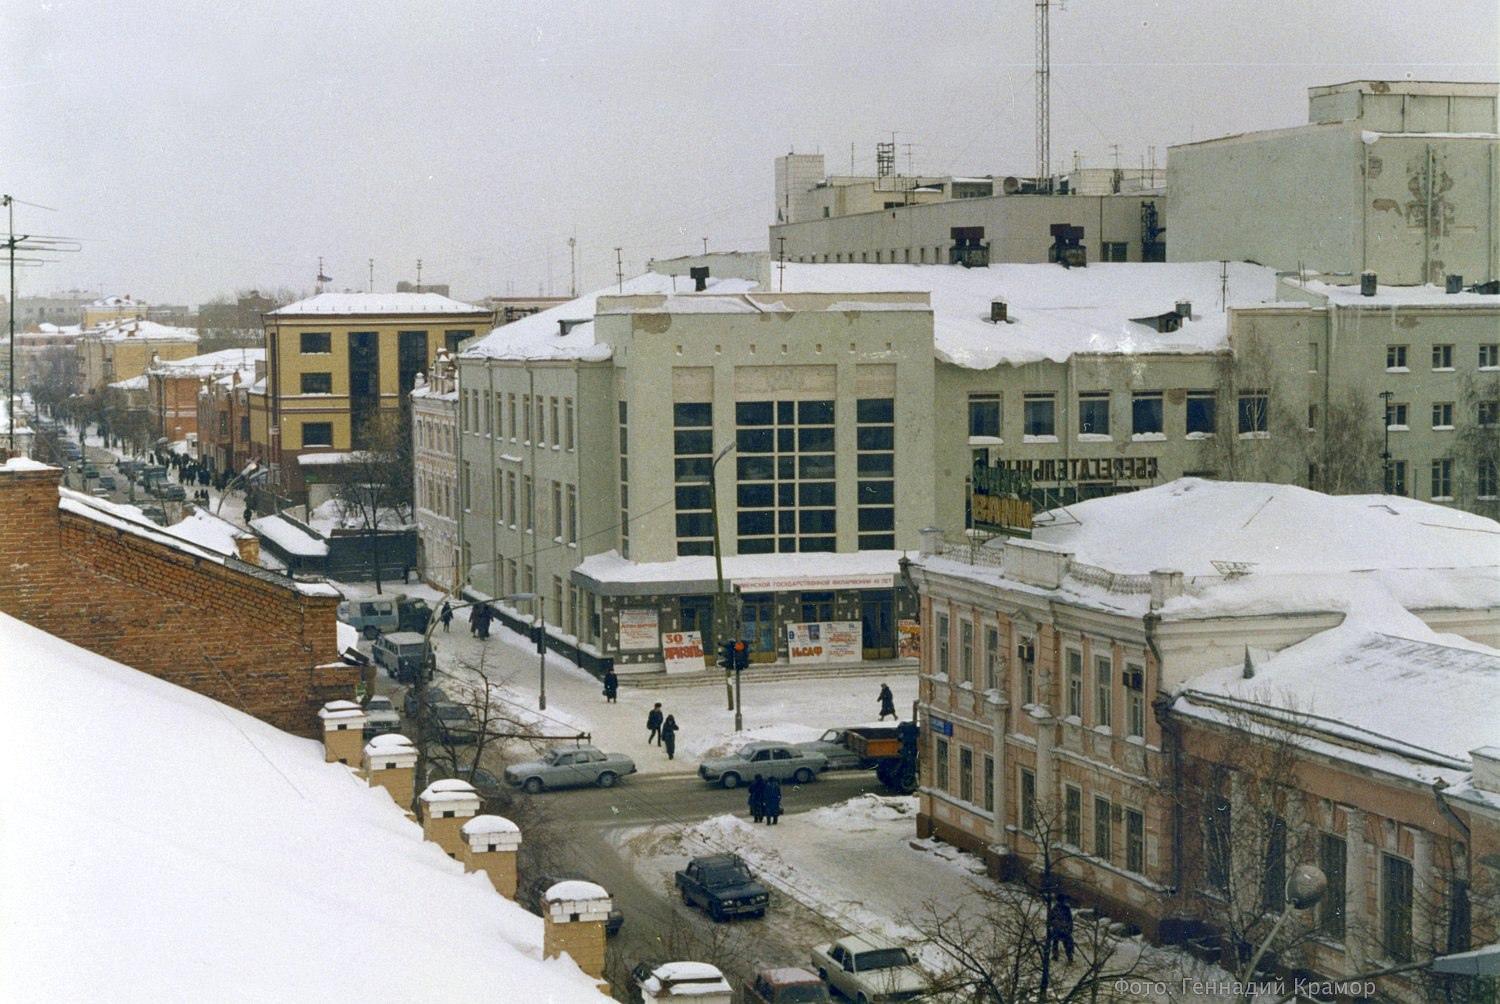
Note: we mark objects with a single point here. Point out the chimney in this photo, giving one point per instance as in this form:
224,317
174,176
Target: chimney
1367,284
1165,585
1185,309
699,275
1455,284
997,311
390,762
343,731
1486,775
573,924
248,546
931,539
490,846
445,806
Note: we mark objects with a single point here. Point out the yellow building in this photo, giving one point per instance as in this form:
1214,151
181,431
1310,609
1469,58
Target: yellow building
113,308
336,361
120,350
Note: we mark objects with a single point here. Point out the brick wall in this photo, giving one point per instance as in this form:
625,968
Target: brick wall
249,640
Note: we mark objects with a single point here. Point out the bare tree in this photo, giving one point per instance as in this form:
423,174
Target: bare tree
55,378
374,484
1477,443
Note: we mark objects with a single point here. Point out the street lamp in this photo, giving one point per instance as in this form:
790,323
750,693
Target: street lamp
1304,890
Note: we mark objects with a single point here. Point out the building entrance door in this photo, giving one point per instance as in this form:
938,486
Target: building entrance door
877,623
760,626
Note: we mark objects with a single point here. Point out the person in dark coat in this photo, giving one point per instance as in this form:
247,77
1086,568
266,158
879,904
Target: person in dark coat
669,736
1060,926
887,703
758,798
485,616
249,514
773,802
445,616
611,687
653,724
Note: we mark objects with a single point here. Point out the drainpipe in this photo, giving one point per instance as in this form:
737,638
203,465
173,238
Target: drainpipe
1448,813
1161,705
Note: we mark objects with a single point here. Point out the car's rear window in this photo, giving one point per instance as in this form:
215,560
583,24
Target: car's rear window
726,876
884,958
807,993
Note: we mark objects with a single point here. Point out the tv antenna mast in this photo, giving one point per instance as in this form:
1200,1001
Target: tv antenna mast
1043,95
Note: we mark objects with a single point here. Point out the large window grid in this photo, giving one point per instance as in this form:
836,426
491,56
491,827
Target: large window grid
693,458
785,488
875,442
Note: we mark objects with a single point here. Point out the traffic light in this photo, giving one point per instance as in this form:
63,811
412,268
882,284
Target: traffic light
726,654
734,654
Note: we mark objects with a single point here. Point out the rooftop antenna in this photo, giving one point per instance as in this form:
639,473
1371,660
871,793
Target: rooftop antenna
322,276
573,266
619,270
372,275
851,159
705,245
1223,285
781,264
910,169
37,247
419,275
1043,95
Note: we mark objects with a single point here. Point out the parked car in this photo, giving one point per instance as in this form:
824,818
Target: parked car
168,492
108,483
372,615
723,886
784,985
869,969
777,760
533,892
90,471
128,467
435,695
381,716
451,724
155,514
570,767
401,654
100,493
843,749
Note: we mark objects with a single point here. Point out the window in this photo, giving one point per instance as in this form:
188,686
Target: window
317,383
692,452
1312,357
940,763
1395,357
1442,479
984,415
1039,415
1217,832
1487,414
1395,415
511,508
875,463
541,421
1114,251
1202,412
315,343
1489,356
965,652
623,414
1273,874
989,783
464,488
1135,842
942,645
1442,357
1395,907
1075,684
1093,414
1072,816
1102,847
1459,919
1103,685
317,433
557,512
785,477
1312,418
1395,478
991,659
572,520
528,503
510,406
1135,700
567,423
1486,484
1253,412
1146,413
488,417
1028,682
1442,415
1332,858
1028,800
965,774
526,417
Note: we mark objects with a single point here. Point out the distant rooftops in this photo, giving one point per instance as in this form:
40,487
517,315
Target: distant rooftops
377,305
134,329
218,363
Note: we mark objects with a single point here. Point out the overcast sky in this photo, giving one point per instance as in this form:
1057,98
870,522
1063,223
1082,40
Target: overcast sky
201,147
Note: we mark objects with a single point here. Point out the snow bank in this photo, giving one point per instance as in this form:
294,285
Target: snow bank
249,876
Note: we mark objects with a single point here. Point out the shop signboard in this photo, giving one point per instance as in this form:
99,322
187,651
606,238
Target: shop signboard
639,630
682,651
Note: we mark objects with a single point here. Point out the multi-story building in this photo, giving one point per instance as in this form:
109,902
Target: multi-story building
513,308
337,361
117,351
47,352
1391,176
109,309
224,418
434,433
1089,215
173,387
1050,667
62,309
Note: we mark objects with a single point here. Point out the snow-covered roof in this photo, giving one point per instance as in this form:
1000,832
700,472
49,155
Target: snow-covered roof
203,528
258,883
23,463
1382,683
289,537
574,891
376,305
324,459
489,825
138,382
1347,295
686,979
1247,548
1054,312
224,361
134,330
117,301
538,336
752,572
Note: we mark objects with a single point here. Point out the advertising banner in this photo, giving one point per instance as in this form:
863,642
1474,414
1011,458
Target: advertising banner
639,631
910,639
804,643
682,651
827,641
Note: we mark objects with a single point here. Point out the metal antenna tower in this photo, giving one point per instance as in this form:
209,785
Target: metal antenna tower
619,270
27,251
1043,95
573,267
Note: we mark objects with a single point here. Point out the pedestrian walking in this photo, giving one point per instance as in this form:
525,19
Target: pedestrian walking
1060,926
249,514
669,736
758,798
773,802
653,724
445,616
887,703
474,620
485,616
611,687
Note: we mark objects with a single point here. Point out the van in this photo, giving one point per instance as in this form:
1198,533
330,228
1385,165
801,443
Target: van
371,616
400,654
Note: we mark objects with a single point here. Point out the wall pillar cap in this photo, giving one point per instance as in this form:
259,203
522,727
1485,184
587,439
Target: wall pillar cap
451,794
492,833
577,900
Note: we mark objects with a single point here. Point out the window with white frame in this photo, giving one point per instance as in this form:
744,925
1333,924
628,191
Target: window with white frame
966,652
1103,688
1074,660
1135,700
991,658
941,667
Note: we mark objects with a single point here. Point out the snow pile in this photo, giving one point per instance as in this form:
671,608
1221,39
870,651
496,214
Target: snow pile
289,537
866,813
373,304
203,528
24,463
251,874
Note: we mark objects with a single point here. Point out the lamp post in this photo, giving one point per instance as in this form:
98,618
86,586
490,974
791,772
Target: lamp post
1385,454
1304,890
722,627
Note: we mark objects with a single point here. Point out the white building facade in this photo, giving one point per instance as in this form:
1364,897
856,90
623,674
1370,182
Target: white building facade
434,431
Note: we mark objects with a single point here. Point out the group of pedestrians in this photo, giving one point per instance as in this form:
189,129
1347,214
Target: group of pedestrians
765,800
662,729
481,615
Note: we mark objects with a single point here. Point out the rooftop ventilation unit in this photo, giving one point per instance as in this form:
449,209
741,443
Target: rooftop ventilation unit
699,275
